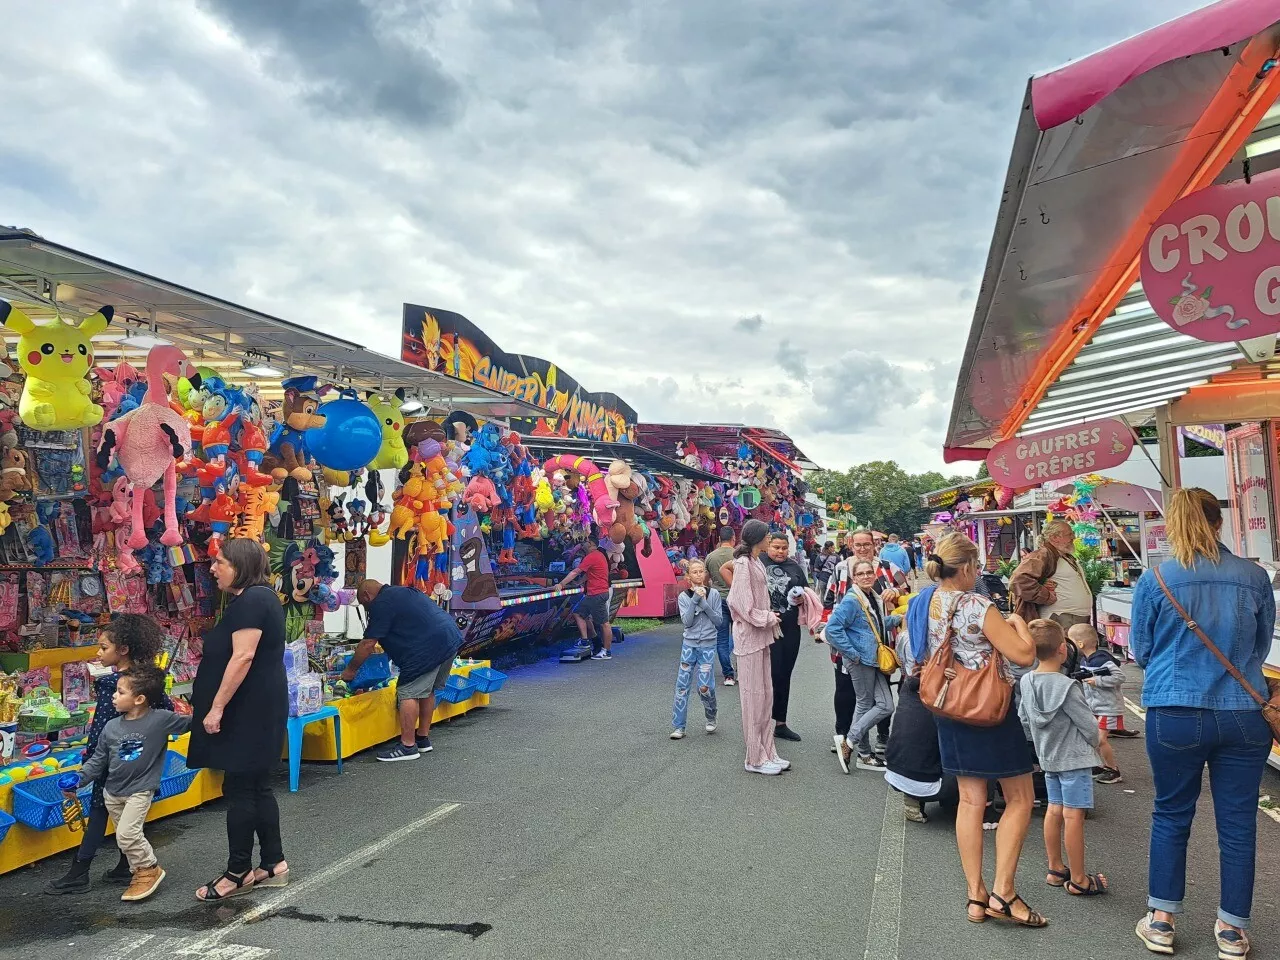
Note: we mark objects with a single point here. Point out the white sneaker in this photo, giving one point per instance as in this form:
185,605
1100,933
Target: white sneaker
677,734
781,764
768,769
711,726
602,655
730,682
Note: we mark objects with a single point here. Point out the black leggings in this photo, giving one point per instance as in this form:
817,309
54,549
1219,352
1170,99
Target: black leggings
251,809
95,832
846,700
783,660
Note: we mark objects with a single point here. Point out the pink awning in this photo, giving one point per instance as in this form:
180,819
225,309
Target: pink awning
1065,93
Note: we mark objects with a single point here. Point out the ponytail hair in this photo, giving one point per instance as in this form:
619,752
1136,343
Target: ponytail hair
952,552
753,533
1192,520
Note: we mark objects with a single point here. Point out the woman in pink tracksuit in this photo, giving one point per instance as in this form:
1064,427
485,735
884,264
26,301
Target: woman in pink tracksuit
755,627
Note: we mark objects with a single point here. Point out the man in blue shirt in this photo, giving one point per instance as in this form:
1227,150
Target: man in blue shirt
421,639
894,553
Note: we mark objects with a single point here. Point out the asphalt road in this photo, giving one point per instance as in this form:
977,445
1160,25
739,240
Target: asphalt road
561,822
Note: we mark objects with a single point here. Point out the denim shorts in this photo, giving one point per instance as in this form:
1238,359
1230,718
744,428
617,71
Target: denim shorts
1072,789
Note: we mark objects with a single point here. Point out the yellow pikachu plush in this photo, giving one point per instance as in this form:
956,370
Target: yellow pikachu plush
393,454
56,358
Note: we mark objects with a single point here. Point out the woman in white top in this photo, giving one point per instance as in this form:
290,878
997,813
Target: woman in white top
975,755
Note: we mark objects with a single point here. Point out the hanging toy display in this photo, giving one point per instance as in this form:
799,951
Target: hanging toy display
350,435
392,454
150,440
56,357
288,454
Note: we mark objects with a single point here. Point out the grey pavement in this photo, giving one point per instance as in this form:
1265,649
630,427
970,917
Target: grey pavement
561,822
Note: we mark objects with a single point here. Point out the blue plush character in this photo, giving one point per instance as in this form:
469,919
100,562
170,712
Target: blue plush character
40,542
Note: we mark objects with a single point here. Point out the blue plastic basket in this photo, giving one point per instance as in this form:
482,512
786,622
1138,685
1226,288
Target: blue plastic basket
177,776
487,679
38,803
6,822
456,690
374,671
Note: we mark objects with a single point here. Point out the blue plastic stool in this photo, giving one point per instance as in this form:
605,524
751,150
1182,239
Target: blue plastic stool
296,726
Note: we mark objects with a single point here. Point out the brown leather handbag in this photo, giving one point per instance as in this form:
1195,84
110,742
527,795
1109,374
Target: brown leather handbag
1271,705
948,688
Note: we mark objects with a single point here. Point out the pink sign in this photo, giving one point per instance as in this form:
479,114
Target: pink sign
1211,263
1022,462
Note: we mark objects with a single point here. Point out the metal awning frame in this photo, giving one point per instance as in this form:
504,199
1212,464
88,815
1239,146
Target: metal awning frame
48,280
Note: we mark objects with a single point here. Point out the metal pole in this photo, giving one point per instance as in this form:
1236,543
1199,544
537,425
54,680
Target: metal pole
1143,447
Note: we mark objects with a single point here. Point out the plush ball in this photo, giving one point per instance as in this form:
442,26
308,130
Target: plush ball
350,438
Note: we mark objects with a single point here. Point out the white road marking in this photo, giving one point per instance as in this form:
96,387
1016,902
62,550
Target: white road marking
150,947
203,946
125,948
1133,708
885,923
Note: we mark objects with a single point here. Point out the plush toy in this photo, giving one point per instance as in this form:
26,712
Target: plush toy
486,453
350,436
601,499
288,455
13,475
40,542
117,384
393,454
481,495
56,358
148,442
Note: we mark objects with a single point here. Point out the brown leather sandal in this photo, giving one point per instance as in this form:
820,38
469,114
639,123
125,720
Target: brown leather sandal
1005,912
976,903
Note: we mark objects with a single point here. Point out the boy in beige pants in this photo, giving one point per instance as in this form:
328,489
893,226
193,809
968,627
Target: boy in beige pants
132,751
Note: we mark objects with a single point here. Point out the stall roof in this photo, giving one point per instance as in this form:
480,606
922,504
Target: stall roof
722,439
1100,151
941,499
46,279
601,451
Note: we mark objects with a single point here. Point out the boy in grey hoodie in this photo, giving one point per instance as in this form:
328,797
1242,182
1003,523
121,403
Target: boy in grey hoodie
1054,709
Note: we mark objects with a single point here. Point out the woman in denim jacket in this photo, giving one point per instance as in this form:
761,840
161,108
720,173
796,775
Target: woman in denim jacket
1197,714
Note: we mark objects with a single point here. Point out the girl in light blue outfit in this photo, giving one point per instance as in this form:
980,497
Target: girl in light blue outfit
701,612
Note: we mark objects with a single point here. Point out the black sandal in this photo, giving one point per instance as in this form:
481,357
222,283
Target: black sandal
1063,877
243,884
1096,886
976,903
1005,913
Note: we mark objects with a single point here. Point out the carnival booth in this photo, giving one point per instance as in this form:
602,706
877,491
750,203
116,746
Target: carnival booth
1161,314
141,424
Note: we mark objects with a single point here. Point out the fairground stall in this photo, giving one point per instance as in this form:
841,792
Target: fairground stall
1132,288
141,423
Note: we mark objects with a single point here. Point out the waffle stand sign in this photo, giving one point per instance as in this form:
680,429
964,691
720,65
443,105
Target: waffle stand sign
1022,462
1211,263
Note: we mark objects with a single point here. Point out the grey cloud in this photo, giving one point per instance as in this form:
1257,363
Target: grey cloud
352,61
791,359
751,324
853,393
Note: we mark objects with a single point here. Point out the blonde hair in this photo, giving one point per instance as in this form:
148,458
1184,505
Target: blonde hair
1192,523
1048,637
952,552
1053,528
696,563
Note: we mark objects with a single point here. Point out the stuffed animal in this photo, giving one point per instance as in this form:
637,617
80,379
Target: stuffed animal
13,474
288,455
481,495
117,383
626,486
56,358
40,542
393,454
149,441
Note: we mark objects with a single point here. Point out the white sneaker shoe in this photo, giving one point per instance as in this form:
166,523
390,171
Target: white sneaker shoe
711,726
781,764
768,769
677,734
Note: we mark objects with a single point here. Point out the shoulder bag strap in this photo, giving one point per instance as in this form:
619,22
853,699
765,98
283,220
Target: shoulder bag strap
1204,638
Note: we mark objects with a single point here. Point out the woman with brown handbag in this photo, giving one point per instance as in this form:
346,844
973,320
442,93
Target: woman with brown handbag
968,632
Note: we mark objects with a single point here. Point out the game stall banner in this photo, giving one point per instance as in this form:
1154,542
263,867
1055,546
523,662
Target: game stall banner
1029,461
451,344
1211,262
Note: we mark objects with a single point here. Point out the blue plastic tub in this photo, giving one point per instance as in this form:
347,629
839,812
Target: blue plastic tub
6,822
38,803
487,679
177,777
456,690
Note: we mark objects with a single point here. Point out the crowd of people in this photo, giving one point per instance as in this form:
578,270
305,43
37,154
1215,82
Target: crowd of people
996,713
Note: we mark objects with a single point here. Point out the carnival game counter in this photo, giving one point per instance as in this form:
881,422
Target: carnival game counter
368,720
532,612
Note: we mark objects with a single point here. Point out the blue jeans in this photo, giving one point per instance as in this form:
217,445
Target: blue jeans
704,659
724,645
1235,744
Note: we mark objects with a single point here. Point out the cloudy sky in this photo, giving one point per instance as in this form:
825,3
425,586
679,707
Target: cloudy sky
774,213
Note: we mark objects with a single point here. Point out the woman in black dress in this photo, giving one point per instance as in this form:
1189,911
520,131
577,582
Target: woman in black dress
240,707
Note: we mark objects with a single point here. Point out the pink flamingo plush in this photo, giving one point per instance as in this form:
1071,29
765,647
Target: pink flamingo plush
150,440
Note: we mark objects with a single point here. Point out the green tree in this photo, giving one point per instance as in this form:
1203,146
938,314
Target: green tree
882,494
